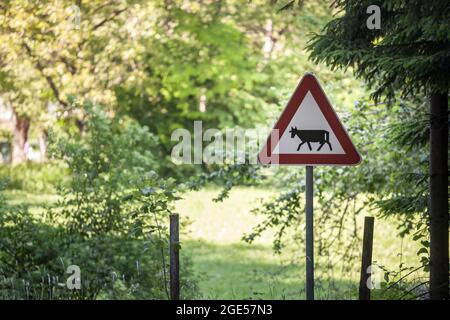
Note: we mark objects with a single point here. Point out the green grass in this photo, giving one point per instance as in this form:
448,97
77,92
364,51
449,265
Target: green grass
35,202
228,268
231,269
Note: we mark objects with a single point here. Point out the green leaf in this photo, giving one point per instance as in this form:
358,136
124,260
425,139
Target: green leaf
422,251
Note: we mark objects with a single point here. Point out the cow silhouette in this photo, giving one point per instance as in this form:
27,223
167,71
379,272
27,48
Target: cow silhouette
309,136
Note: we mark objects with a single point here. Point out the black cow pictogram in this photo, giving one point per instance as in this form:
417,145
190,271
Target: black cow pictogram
308,136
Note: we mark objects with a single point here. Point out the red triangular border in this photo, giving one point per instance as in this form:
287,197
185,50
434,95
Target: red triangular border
310,83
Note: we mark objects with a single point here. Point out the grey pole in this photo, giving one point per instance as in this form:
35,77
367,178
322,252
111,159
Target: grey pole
309,234
174,253
366,262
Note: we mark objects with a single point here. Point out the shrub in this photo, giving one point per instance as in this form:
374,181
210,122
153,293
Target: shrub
34,177
110,221
34,259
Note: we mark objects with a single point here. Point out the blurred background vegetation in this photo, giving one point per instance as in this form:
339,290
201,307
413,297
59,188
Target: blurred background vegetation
90,93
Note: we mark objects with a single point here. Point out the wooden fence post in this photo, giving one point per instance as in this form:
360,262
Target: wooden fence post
174,257
364,290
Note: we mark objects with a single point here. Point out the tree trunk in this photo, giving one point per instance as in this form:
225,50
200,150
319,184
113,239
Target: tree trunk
20,138
438,202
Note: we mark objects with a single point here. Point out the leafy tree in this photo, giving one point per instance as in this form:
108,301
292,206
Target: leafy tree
219,62
410,54
196,69
53,51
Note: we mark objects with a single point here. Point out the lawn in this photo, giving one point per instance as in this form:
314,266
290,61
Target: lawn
231,269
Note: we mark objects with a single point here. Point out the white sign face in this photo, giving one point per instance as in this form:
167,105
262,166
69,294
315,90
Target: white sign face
308,117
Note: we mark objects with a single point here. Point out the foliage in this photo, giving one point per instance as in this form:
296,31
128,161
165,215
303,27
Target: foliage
104,164
110,221
409,53
51,51
34,258
34,177
400,284
220,63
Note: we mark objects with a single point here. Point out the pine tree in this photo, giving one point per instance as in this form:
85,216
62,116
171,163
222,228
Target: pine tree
408,52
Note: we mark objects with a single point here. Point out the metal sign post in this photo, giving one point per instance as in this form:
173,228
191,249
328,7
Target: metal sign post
309,233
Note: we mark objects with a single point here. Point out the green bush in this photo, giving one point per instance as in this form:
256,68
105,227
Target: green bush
110,221
34,258
111,160
34,177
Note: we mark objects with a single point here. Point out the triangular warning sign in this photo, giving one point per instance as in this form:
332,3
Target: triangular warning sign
309,132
